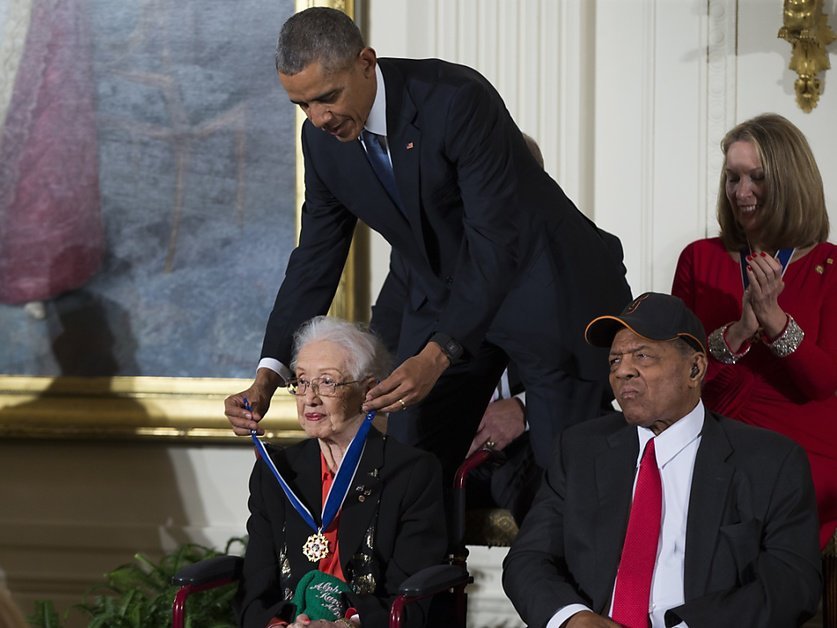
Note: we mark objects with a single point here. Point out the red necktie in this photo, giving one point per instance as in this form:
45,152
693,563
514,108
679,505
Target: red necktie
633,581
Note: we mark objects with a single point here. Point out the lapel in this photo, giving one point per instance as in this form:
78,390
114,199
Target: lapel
377,209
615,469
710,485
362,501
303,473
404,139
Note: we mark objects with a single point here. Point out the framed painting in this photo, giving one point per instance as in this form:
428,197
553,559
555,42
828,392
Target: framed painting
149,201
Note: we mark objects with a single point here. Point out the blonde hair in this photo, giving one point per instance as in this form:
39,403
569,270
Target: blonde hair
793,210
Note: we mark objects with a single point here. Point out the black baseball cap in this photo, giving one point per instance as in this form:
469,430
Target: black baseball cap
651,315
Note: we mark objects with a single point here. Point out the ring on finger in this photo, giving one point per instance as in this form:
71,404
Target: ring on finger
403,405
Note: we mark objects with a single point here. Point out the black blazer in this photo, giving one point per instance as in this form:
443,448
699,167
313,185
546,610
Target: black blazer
396,494
752,556
477,211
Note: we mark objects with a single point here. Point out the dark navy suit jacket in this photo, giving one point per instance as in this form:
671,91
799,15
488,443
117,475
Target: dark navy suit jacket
494,250
477,210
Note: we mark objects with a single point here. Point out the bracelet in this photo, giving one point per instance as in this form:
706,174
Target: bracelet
719,349
787,342
344,622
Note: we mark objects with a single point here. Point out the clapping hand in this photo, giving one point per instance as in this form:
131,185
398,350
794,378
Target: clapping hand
766,284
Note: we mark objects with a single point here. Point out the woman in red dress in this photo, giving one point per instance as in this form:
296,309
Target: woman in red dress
766,291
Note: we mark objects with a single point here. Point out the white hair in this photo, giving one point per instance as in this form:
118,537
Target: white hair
368,357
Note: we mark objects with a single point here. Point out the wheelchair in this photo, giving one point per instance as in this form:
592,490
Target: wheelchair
451,578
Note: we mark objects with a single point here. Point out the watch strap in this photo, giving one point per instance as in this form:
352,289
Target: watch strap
450,347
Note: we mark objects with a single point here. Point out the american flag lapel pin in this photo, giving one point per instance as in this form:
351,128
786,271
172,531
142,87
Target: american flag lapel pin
410,146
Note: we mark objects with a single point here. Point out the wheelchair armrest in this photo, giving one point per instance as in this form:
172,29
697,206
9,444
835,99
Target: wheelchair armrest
428,582
433,579
226,567
479,457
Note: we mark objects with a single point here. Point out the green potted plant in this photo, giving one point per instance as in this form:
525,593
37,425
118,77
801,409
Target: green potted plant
140,594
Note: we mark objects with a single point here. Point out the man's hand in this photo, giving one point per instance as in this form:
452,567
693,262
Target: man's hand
410,382
589,619
259,395
504,420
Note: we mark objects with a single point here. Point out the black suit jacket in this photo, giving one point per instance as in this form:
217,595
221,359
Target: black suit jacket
751,556
396,493
477,212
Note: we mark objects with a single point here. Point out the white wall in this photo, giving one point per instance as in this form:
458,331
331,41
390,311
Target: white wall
537,53
629,100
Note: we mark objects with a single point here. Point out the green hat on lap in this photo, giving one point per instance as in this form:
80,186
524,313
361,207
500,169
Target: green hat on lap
320,596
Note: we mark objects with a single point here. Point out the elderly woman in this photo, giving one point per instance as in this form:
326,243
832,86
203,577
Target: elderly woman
358,512
767,288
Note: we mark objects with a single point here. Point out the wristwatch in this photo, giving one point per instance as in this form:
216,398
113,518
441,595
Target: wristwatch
450,347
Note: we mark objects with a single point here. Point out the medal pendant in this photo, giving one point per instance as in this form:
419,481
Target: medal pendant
316,547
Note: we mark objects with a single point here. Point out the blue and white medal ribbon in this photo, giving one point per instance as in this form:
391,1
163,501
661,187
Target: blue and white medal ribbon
316,547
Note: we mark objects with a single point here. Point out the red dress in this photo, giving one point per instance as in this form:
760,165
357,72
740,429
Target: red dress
794,395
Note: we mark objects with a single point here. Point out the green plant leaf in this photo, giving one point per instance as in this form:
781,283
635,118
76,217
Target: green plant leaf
44,615
139,594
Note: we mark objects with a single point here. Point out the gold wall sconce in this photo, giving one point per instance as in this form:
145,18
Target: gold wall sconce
806,28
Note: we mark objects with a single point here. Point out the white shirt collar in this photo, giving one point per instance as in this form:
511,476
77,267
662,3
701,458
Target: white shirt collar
377,120
674,438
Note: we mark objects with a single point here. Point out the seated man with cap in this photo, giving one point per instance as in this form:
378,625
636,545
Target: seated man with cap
666,514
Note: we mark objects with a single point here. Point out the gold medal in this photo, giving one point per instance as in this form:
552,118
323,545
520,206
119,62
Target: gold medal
316,547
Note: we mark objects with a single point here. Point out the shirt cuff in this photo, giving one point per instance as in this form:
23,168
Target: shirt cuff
521,398
564,614
277,367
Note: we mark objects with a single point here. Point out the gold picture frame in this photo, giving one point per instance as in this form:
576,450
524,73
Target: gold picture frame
165,407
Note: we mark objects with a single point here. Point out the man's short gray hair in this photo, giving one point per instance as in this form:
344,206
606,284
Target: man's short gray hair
368,357
317,34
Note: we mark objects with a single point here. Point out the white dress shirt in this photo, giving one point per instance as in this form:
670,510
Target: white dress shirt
676,448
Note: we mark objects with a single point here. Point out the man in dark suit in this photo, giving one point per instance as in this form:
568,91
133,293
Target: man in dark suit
734,536
501,264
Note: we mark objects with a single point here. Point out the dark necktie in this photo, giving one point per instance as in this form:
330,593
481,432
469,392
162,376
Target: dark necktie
377,154
639,553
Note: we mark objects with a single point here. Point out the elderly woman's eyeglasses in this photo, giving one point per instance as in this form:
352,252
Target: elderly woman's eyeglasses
323,386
